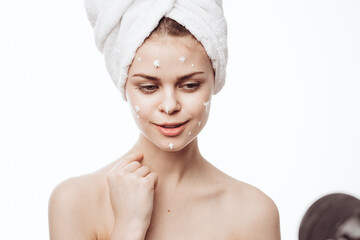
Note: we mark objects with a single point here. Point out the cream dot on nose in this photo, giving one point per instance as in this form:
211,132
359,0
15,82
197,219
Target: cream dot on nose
167,109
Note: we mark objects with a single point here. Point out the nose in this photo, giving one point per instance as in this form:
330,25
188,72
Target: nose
169,102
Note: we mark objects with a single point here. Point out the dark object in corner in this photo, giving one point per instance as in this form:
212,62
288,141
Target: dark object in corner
332,217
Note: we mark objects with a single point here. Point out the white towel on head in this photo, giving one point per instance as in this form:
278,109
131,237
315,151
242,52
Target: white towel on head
121,26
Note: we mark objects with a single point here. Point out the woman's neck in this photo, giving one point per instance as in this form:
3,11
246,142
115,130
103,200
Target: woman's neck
171,167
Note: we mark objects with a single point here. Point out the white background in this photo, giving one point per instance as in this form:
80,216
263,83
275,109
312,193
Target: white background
287,120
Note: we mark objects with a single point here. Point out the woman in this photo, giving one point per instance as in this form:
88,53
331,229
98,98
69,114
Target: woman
162,188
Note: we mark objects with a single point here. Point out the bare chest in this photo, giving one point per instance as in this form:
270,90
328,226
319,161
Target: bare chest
184,219
191,223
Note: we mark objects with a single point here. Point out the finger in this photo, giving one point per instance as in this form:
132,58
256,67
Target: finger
126,160
153,178
142,171
131,167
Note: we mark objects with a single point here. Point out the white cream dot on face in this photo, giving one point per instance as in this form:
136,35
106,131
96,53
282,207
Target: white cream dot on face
137,108
182,59
139,59
192,65
190,133
171,146
167,109
156,63
199,123
206,105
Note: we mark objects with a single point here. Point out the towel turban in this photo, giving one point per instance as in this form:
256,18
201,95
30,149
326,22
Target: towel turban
121,26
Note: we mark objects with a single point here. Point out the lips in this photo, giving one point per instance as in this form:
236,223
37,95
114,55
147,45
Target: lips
171,129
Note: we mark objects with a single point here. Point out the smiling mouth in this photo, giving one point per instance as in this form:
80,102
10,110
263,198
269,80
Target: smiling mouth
169,126
171,129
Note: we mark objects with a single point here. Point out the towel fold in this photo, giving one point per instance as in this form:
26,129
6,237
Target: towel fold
121,26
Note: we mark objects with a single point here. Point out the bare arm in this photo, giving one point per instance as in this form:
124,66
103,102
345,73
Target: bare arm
255,215
268,222
67,218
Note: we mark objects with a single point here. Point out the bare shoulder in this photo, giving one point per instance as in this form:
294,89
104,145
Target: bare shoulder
71,207
254,215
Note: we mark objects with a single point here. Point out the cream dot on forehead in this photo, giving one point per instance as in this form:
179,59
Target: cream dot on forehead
139,59
156,63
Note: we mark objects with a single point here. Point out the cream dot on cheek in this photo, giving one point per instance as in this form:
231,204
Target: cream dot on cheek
206,105
189,133
199,123
137,108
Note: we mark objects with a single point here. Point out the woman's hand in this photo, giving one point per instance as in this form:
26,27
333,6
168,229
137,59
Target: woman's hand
131,189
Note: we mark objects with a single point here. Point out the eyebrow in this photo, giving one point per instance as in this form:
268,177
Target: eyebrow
152,78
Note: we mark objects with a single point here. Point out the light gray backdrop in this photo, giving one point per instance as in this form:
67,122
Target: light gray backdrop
287,120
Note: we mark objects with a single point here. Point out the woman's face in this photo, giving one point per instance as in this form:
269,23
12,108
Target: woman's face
169,88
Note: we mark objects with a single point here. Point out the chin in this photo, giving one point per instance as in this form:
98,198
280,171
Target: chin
169,144
173,145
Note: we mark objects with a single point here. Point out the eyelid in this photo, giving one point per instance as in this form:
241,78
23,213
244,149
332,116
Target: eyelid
143,88
196,86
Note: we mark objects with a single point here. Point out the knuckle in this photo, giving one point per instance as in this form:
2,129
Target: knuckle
146,182
133,177
137,164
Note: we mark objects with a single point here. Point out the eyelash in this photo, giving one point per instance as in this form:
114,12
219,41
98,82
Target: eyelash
188,87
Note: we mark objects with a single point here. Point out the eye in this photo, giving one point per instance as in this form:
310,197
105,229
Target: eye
190,86
147,89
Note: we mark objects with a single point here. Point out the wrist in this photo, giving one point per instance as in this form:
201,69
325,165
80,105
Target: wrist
128,232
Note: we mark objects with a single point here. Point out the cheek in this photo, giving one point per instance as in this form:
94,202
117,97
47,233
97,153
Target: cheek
200,110
141,107
138,110
136,106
